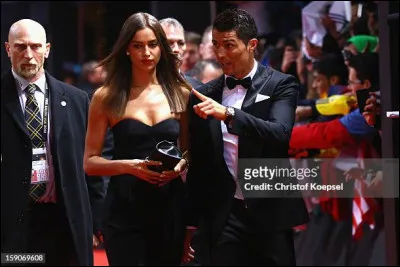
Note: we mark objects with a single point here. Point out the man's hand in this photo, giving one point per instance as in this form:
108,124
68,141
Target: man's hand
303,112
289,57
96,241
312,50
354,174
188,252
329,25
168,176
376,183
372,109
209,107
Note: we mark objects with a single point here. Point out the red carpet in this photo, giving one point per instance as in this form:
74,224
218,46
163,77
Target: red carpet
100,257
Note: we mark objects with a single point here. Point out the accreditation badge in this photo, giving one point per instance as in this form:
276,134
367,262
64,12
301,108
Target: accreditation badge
40,166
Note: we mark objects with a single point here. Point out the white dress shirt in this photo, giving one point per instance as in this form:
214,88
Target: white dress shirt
21,85
234,98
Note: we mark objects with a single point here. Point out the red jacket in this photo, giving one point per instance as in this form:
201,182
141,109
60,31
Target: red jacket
321,135
325,135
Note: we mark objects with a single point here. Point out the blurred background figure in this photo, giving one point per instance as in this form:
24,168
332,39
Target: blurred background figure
92,77
70,73
192,53
259,11
359,44
176,38
175,34
69,77
206,46
206,70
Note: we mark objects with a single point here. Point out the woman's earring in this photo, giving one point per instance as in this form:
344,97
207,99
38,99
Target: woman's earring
127,53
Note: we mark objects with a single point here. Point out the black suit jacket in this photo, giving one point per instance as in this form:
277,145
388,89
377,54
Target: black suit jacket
264,129
68,129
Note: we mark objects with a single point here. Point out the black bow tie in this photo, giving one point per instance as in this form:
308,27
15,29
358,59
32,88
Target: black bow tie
232,82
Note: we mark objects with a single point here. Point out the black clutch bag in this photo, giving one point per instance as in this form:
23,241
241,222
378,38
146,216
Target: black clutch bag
166,153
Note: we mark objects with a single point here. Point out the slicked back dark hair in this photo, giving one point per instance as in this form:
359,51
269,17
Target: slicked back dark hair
236,20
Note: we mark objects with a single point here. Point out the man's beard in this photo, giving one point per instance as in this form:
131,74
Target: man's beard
28,72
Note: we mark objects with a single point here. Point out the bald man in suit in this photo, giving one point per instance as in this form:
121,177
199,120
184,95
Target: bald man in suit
43,126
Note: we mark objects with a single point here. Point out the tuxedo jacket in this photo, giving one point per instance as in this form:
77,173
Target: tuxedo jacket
67,140
264,129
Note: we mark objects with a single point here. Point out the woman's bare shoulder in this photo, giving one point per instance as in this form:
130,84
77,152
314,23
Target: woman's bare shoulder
99,96
100,92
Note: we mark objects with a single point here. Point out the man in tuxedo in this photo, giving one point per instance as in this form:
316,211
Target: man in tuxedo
248,113
44,197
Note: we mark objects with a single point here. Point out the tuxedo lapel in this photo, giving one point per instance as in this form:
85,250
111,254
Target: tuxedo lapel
259,81
59,104
12,103
214,91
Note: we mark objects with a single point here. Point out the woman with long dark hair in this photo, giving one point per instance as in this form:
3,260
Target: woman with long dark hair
143,101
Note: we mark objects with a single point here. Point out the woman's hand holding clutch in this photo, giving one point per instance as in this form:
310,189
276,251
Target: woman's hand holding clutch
140,169
167,176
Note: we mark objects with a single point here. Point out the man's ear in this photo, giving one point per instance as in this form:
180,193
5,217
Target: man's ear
46,54
252,45
7,46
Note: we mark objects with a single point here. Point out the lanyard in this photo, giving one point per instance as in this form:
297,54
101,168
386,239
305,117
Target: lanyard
45,113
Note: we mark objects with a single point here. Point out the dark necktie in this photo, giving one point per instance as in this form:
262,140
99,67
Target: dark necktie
232,82
35,128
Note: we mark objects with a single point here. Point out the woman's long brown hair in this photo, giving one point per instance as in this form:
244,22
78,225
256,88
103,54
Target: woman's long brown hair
119,73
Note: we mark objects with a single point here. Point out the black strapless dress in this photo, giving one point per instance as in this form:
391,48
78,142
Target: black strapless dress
144,223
